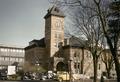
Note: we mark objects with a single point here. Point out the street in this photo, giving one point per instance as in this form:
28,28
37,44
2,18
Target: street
31,81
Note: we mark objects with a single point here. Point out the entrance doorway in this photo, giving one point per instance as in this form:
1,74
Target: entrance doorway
62,66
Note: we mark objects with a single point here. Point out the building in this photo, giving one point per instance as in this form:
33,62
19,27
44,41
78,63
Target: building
56,53
48,46
34,53
10,55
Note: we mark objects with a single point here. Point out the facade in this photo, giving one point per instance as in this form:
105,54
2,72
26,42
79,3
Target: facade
56,53
54,35
10,55
34,53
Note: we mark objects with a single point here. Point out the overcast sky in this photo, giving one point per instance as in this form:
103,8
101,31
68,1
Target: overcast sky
22,21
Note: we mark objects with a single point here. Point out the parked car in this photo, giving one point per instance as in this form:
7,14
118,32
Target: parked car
3,76
26,76
42,76
62,75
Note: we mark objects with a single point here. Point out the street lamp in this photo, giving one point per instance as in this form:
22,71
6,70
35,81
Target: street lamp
70,69
37,66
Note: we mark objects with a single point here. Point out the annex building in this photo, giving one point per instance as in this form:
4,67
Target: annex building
11,55
56,53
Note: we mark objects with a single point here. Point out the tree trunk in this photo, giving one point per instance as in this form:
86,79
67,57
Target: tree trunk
95,68
117,64
82,62
108,73
117,68
108,68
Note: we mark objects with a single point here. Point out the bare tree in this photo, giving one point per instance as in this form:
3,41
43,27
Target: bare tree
89,28
112,33
85,24
101,10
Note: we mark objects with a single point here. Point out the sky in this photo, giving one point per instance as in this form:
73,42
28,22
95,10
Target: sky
22,21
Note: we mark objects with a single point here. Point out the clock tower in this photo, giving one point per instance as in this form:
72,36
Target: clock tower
54,30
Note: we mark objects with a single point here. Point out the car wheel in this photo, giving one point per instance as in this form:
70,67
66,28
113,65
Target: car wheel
60,79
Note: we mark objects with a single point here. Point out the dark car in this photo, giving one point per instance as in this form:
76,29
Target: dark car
3,76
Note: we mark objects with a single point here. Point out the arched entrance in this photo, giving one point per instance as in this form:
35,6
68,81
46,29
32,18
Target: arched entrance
61,66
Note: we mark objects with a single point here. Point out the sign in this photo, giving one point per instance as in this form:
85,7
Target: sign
11,70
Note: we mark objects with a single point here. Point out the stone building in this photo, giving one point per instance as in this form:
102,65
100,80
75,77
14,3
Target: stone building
56,53
47,47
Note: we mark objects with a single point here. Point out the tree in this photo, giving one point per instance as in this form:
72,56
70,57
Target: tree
33,68
37,69
86,26
111,31
102,9
90,29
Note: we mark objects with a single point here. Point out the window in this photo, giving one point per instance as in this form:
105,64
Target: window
2,49
56,44
12,59
75,55
6,58
55,35
1,58
20,50
99,67
11,50
23,51
17,50
58,23
56,9
75,65
20,60
58,36
78,65
8,50
5,50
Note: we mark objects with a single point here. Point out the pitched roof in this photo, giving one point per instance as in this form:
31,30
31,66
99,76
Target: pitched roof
36,43
76,42
54,11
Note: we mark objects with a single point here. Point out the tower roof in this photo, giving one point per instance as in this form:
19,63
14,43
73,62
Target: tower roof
54,11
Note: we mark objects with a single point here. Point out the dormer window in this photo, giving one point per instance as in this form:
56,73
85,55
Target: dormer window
56,9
